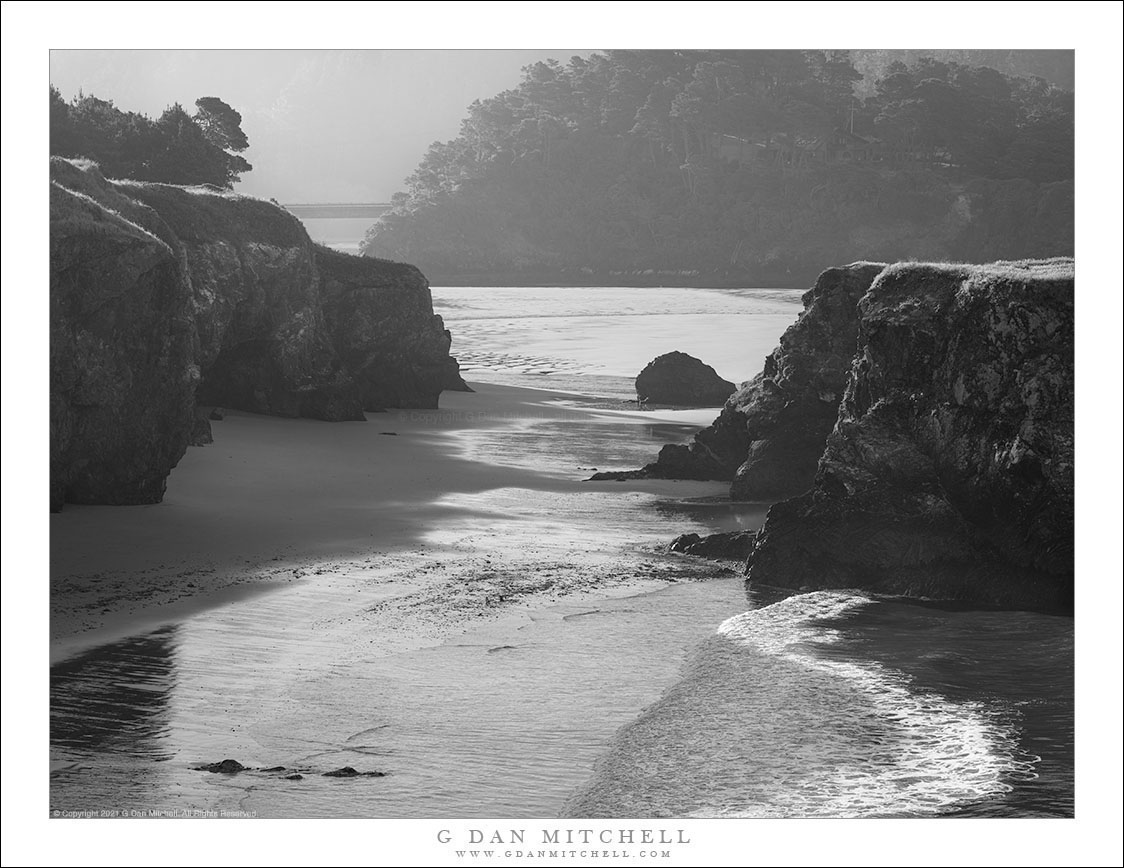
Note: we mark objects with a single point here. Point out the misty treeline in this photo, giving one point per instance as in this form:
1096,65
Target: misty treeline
176,148
741,164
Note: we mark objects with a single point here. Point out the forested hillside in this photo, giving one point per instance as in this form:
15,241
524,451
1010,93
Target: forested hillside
750,167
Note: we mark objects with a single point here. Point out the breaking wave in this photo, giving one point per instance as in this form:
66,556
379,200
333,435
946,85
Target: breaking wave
771,720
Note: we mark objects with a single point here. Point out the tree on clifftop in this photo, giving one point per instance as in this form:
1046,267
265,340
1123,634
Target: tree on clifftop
221,124
176,149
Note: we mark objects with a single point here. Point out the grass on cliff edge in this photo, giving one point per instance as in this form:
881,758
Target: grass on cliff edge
363,269
1056,268
191,213
202,213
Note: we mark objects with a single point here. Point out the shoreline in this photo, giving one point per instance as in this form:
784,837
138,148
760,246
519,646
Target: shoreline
481,606
402,626
641,280
274,502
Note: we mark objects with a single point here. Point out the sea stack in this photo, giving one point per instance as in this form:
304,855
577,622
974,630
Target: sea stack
770,434
681,380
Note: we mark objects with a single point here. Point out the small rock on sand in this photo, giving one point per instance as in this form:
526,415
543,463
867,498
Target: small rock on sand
349,772
226,767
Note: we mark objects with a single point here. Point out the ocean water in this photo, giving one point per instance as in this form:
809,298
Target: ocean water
344,234
831,704
539,654
595,340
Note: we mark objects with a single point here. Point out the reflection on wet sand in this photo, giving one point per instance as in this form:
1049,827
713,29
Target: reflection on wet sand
115,699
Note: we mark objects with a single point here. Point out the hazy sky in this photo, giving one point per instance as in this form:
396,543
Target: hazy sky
324,126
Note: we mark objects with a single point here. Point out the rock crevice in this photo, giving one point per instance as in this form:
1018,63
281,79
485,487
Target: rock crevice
771,431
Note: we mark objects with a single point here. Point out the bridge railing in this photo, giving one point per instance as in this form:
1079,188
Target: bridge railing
338,210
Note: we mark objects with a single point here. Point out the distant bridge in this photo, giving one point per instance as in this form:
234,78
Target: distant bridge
338,210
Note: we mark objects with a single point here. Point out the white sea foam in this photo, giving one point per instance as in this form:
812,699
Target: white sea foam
770,722
945,753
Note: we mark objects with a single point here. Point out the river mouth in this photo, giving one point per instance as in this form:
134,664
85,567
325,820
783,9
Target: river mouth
480,666
456,615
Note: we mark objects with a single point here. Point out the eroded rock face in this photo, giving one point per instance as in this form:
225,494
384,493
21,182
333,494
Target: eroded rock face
162,296
200,429
731,545
679,379
395,349
122,372
949,472
790,407
770,434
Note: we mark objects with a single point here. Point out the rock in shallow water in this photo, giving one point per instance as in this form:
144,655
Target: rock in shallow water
679,379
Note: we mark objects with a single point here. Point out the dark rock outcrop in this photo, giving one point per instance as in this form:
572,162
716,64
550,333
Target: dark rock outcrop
679,379
389,341
771,431
201,429
226,767
122,372
349,772
453,381
731,546
675,461
949,472
790,407
164,295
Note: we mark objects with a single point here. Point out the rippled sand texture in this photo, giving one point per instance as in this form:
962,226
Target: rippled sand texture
486,724
273,497
497,620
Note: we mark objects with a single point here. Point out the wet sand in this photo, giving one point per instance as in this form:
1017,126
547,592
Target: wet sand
277,501
316,595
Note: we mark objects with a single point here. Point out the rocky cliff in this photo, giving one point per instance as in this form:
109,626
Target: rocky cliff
949,471
770,434
164,296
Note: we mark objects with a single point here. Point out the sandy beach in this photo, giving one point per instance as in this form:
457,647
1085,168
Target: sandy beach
275,501
418,594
